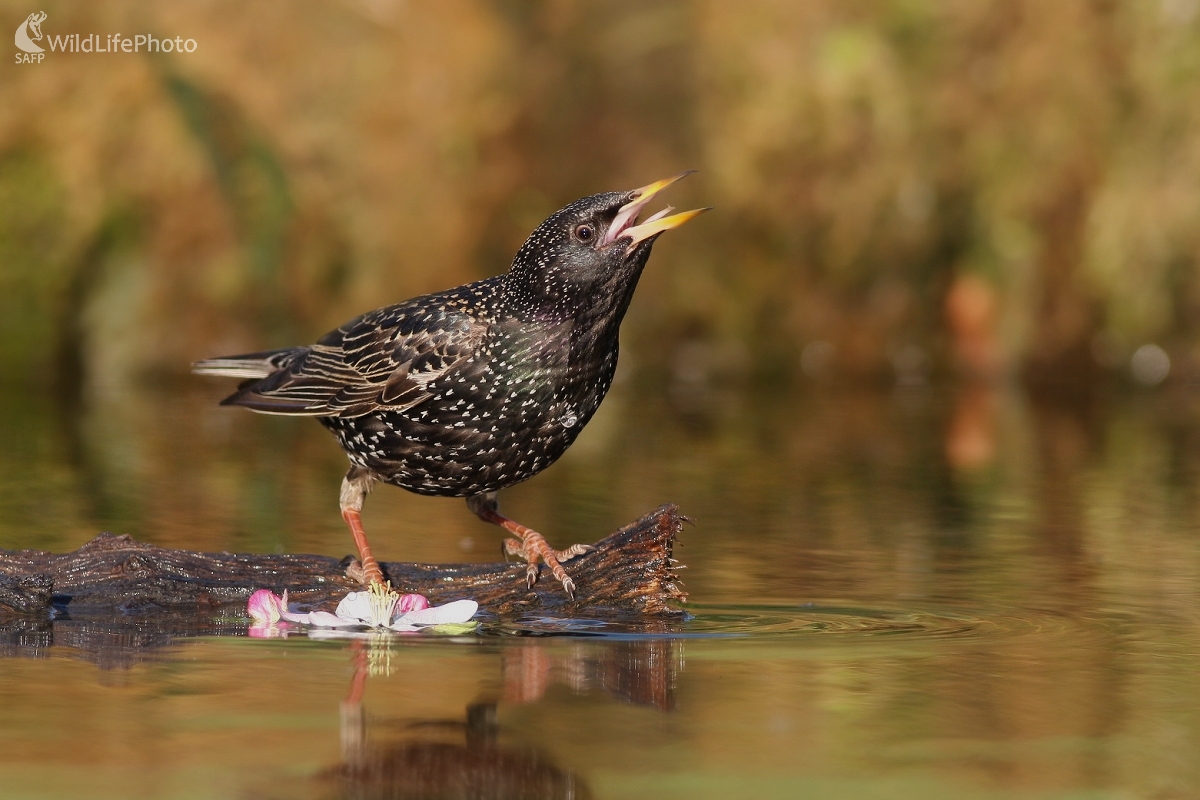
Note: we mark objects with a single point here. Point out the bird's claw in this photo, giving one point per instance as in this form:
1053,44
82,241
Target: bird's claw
573,551
531,576
534,547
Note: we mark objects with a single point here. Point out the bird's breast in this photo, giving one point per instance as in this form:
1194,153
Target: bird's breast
501,416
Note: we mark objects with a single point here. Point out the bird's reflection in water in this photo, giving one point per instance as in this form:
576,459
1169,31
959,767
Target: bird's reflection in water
467,756
450,758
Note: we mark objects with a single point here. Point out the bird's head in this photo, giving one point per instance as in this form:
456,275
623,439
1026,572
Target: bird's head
590,253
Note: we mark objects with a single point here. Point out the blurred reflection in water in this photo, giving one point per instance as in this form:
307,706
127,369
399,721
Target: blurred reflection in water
469,756
438,758
958,592
463,759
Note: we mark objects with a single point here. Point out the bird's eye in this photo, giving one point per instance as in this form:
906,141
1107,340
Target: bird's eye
585,233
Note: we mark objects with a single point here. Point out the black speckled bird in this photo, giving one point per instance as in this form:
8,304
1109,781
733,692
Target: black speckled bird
468,391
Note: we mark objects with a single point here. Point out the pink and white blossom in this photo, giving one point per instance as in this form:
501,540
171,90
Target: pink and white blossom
374,608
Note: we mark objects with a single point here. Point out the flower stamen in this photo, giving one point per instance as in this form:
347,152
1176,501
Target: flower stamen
382,601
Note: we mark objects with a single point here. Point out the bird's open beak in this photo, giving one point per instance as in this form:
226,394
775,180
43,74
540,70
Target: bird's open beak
625,224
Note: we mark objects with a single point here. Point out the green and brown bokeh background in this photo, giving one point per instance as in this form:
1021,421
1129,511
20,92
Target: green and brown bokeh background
934,189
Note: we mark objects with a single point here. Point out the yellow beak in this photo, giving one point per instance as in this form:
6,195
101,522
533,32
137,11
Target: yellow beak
623,225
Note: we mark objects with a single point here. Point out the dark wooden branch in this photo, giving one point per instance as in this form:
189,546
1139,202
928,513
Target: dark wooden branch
629,571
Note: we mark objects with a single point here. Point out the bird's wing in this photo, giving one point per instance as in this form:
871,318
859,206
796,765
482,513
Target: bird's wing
381,361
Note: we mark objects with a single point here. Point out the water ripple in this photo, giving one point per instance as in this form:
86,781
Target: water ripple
807,621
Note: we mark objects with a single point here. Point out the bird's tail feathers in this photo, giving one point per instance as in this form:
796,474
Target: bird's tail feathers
249,365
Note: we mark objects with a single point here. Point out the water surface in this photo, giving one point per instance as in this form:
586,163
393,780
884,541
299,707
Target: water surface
958,593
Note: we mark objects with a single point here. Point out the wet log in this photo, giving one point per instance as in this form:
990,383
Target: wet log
629,571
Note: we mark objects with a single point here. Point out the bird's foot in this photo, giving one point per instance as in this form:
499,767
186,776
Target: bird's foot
355,571
534,546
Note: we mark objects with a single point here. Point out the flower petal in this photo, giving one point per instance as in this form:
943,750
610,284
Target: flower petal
458,611
294,616
265,607
411,602
324,619
355,606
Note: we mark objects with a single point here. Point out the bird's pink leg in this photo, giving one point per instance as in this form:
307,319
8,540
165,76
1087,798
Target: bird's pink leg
370,567
355,486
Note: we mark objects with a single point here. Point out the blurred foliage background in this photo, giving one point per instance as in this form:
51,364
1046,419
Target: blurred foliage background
905,190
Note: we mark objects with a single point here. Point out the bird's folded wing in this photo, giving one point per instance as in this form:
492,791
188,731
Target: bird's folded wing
380,361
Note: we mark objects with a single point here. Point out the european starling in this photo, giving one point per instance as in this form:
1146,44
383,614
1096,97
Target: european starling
468,391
